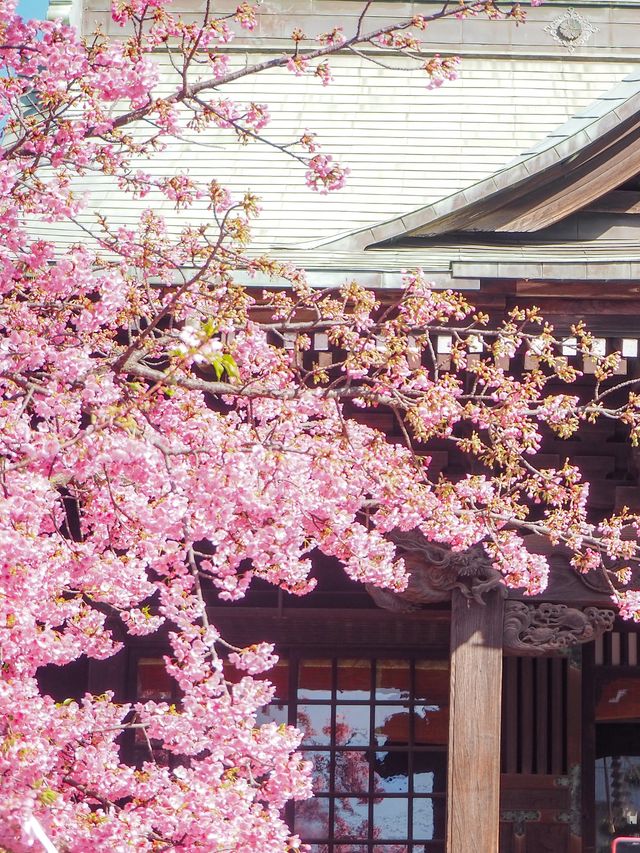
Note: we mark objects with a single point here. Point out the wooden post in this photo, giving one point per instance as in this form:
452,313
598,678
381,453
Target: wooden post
588,757
473,789
574,747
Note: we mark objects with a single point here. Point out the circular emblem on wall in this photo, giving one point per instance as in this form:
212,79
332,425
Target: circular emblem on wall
571,30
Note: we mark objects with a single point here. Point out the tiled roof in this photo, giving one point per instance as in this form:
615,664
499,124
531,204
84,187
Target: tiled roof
616,105
406,146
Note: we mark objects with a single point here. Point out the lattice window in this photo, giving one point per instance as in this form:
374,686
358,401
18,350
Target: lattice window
376,733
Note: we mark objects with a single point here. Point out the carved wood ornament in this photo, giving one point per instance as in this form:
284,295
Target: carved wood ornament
539,629
434,572
529,628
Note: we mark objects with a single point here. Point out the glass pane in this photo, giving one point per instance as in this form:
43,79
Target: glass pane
394,848
391,772
431,724
353,725
351,818
617,783
279,677
428,818
393,679
315,722
354,680
314,679
429,772
619,700
272,714
390,818
352,772
312,818
392,724
321,769
154,683
432,682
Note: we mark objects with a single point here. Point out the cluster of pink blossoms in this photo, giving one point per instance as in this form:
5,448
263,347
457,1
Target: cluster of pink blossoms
158,443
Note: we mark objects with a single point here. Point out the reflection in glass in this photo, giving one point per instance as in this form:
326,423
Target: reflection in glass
392,724
432,682
391,771
272,714
315,722
390,818
428,818
392,848
352,772
154,682
320,775
617,784
278,676
364,799
354,680
393,679
314,679
353,725
351,818
312,818
423,783
431,724
429,772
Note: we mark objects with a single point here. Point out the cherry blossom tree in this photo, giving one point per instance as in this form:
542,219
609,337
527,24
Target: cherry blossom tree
158,439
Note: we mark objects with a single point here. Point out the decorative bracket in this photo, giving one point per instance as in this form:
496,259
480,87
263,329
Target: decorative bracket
542,629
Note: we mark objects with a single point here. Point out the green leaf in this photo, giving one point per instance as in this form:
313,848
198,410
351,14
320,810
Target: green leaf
209,328
230,366
216,363
48,796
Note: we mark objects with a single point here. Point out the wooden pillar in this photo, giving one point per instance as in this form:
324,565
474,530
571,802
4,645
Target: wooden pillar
588,757
473,789
574,746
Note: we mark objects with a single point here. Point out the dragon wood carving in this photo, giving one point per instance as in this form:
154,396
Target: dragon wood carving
529,629
434,572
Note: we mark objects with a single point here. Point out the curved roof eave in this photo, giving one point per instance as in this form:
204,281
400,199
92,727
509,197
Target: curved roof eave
584,131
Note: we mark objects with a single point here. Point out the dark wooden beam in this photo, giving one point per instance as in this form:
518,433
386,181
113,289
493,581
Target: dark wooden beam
589,291
473,804
333,628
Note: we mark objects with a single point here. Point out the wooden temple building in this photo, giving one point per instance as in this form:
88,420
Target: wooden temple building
511,725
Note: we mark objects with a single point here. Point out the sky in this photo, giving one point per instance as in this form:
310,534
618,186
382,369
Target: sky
33,8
